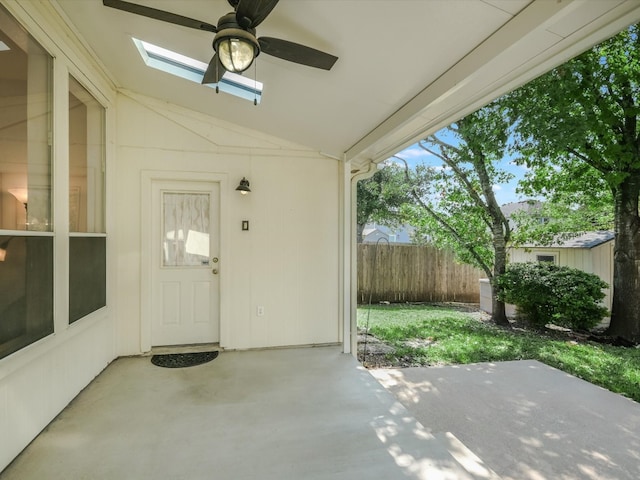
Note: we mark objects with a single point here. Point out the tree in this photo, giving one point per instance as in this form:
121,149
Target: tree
454,204
582,117
380,198
573,201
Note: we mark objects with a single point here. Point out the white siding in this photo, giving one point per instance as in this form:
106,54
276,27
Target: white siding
287,261
37,382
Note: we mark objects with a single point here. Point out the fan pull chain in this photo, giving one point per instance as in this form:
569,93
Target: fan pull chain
255,83
218,82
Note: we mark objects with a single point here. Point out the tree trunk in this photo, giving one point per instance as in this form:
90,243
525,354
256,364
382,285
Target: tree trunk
498,312
500,234
625,310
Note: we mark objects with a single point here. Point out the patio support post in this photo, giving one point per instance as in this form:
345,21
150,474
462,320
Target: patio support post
353,177
345,257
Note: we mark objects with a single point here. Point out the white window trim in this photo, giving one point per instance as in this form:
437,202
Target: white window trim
553,254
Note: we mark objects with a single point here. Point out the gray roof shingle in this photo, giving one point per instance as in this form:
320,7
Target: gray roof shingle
584,240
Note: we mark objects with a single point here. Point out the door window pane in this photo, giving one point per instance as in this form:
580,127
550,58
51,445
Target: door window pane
86,161
25,130
185,229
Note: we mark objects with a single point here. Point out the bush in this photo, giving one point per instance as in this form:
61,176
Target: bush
546,293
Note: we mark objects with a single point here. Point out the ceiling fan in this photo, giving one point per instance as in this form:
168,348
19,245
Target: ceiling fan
235,43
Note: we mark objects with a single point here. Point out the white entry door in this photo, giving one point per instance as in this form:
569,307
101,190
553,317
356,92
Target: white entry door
185,263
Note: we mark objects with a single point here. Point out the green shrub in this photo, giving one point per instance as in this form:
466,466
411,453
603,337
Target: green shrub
546,293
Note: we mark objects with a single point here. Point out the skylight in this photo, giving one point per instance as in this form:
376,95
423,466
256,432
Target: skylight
192,69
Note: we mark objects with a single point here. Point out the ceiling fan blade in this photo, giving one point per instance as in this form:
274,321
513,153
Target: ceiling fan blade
254,10
297,53
159,15
214,72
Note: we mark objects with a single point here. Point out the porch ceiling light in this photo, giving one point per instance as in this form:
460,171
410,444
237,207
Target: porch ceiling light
236,49
243,188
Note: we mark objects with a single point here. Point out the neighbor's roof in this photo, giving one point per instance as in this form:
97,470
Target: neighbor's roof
369,231
585,240
509,209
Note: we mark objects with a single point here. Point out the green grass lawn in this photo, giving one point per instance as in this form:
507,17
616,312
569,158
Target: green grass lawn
458,337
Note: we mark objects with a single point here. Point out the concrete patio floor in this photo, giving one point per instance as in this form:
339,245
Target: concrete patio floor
310,413
314,413
526,420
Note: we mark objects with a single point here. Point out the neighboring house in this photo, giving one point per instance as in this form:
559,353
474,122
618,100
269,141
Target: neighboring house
122,223
529,206
374,235
373,232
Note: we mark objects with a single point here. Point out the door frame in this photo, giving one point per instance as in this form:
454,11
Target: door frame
148,177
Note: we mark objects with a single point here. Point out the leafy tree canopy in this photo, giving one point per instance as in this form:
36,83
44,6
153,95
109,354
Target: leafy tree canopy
455,205
380,198
582,118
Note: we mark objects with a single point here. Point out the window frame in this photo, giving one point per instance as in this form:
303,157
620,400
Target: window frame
552,255
48,322
66,60
69,321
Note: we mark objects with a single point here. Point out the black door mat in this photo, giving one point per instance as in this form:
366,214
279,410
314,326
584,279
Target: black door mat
181,360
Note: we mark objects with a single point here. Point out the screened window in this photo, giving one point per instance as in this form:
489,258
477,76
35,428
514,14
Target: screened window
87,245
87,276
86,161
26,241
25,128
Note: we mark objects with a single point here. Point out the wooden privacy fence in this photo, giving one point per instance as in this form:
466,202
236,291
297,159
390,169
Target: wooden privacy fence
414,273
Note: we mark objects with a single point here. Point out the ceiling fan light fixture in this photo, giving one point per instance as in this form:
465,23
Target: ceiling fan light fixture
236,49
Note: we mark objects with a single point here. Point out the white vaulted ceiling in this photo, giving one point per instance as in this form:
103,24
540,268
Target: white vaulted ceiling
406,67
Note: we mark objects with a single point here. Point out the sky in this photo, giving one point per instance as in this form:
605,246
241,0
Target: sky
505,193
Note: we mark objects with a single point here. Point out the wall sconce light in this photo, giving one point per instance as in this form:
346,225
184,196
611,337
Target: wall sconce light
243,188
3,249
21,194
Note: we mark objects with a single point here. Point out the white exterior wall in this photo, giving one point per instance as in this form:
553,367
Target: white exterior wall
597,260
287,262
37,382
